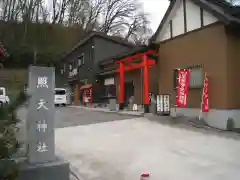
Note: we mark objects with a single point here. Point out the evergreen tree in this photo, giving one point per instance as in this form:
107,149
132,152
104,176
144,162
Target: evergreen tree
9,144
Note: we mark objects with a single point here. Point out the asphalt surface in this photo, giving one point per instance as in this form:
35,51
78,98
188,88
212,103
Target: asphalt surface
66,117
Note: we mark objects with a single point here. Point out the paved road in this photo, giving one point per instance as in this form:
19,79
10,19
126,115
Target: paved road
66,117
122,150
125,149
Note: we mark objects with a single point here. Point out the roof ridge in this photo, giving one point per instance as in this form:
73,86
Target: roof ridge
226,7
91,34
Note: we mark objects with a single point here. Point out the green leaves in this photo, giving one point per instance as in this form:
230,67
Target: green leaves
8,169
9,144
48,41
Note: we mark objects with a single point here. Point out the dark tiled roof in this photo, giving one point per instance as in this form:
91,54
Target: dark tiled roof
103,35
223,10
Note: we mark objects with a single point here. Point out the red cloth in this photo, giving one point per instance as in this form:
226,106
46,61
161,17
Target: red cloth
182,87
205,105
145,175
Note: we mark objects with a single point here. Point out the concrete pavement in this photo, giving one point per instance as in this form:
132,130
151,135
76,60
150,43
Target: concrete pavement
69,117
122,150
107,146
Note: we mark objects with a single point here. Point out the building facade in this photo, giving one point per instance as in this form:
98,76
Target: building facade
202,36
81,64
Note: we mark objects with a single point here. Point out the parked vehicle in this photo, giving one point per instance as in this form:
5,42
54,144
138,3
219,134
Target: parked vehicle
7,100
60,97
4,99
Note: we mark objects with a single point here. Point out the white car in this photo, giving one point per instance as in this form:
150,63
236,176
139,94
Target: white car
60,97
4,99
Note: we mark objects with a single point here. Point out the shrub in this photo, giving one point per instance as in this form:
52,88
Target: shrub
9,144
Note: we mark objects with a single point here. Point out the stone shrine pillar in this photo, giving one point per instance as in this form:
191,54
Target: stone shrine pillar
42,162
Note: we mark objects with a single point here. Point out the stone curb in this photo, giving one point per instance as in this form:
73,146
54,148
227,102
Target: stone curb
109,111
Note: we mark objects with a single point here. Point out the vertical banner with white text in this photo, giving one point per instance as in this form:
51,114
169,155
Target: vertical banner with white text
163,104
182,87
205,105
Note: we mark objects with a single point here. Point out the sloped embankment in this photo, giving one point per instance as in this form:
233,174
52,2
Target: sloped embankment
15,79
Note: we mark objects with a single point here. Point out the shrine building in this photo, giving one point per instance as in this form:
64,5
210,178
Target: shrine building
203,36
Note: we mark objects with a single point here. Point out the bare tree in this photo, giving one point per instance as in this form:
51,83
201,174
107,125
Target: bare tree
116,13
74,11
44,13
138,29
137,22
55,13
234,2
115,17
90,19
10,9
62,10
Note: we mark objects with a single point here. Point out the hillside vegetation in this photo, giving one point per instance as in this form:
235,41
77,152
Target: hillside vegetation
34,43
15,79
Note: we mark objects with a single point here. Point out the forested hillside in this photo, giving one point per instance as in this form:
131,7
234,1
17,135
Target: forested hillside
40,43
40,31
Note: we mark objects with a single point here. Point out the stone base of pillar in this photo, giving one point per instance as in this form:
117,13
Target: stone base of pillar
56,170
146,108
121,106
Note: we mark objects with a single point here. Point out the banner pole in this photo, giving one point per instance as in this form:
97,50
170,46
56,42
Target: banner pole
177,86
200,113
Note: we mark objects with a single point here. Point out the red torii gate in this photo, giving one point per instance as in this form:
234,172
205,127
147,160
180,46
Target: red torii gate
145,62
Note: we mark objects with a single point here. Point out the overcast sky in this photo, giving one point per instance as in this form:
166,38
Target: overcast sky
156,9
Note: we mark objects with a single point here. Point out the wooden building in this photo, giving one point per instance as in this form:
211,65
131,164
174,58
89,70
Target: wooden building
204,36
80,65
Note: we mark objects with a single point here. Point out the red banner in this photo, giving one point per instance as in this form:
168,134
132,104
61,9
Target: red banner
182,87
1,52
205,105
90,95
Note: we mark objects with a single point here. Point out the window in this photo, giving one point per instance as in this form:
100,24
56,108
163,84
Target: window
60,92
196,77
80,60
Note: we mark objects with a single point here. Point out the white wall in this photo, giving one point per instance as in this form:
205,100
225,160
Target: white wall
167,34
178,21
193,18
